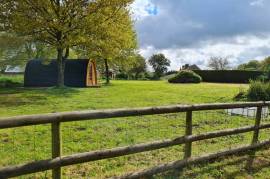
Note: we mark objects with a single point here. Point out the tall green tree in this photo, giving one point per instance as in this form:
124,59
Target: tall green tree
160,64
265,64
62,24
9,47
115,40
16,51
251,65
138,67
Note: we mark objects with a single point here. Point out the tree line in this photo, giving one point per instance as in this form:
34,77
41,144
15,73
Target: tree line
255,65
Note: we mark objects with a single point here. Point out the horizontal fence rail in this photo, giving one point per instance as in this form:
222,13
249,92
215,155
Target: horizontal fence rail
192,161
115,113
57,161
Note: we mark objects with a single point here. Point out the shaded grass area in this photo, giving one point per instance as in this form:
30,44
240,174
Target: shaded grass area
27,144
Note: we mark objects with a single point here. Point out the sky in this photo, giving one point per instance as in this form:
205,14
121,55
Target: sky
191,31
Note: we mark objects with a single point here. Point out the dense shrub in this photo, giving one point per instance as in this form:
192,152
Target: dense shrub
186,77
171,72
258,91
8,83
228,76
121,76
262,78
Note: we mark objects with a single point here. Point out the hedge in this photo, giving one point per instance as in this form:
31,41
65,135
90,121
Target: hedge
228,76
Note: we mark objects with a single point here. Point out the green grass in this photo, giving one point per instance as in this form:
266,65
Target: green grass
26,144
17,101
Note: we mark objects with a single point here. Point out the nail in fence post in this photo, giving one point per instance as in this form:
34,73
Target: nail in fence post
188,146
56,148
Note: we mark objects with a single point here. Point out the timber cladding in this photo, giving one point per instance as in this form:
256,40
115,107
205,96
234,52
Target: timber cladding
58,161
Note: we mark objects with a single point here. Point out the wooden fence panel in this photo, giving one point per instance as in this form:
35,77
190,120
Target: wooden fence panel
59,161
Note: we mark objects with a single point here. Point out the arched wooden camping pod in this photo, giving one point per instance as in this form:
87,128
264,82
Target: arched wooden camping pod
78,73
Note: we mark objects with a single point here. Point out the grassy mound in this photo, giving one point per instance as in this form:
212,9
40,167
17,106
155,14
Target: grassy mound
186,77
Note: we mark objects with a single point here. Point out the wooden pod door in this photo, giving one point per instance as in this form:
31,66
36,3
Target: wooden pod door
91,74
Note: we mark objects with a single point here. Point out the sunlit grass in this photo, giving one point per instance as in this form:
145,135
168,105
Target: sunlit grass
27,144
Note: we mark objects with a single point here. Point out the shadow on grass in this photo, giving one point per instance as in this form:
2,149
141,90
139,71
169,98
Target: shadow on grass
17,96
208,168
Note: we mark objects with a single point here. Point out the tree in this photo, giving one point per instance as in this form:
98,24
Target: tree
160,64
16,51
265,64
10,46
218,63
62,24
113,42
251,65
139,66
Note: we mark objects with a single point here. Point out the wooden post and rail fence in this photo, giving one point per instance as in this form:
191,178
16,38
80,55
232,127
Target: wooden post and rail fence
58,161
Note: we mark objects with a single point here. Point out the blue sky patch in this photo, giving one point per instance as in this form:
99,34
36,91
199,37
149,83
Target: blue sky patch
151,9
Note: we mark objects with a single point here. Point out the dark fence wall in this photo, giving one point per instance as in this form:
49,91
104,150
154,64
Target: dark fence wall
228,76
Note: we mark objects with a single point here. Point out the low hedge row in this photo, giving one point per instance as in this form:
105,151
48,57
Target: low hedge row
228,76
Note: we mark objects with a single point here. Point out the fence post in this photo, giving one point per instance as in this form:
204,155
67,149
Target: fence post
257,125
188,145
56,148
255,138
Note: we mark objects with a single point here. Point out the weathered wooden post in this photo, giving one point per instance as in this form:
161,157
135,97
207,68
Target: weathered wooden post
188,145
56,148
255,138
257,125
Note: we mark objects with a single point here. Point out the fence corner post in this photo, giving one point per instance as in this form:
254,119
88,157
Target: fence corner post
188,145
56,148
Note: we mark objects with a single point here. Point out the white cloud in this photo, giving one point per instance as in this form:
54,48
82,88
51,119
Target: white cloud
143,8
191,31
238,49
259,3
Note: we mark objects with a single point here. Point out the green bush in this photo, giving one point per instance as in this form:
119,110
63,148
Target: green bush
121,76
186,77
262,78
258,91
8,83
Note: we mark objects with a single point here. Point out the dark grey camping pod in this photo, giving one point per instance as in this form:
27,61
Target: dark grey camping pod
78,73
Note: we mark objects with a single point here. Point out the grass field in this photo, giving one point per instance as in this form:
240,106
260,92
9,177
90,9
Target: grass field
33,143
17,101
